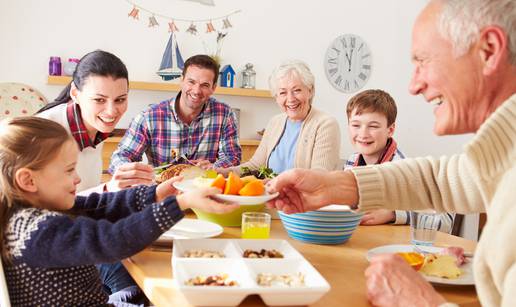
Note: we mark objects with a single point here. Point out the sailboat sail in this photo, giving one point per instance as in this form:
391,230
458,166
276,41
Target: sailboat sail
172,63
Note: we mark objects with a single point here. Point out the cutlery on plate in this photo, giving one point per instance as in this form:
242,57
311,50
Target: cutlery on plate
162,166
183,156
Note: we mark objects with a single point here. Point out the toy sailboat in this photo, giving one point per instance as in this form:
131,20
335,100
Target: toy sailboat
172,63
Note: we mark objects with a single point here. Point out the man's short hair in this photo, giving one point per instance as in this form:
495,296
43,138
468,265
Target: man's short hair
203,61
373,101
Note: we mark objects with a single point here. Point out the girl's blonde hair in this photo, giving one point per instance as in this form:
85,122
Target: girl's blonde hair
25,142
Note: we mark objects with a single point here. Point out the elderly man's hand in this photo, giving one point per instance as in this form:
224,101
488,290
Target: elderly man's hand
131,174
304,190
391,281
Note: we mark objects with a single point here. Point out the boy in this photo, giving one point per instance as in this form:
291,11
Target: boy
371,124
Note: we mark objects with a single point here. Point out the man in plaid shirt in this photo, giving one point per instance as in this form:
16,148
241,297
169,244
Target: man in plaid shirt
192,124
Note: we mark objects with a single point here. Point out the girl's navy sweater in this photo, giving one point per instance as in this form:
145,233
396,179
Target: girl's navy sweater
53,255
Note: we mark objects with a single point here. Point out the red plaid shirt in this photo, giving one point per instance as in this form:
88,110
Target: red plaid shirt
78,129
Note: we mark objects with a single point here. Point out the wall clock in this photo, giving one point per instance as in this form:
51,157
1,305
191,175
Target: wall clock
348,63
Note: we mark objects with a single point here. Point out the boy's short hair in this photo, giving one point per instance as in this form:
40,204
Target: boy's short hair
373,101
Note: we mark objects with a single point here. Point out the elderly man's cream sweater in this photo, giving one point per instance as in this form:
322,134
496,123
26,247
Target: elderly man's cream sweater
482,179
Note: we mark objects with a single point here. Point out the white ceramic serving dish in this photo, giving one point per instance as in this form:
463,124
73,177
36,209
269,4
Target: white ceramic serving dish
244,271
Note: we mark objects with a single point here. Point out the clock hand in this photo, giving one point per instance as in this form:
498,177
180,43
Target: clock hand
349,59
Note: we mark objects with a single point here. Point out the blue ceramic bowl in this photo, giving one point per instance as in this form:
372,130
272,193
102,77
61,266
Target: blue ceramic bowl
332,224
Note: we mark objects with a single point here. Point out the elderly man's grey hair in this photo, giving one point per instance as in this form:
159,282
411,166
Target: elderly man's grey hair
462,20
292,68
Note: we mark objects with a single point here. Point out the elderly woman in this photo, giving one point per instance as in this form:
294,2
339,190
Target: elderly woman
464,53
301,136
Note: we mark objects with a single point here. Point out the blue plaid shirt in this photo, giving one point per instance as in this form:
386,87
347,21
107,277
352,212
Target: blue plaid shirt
212,136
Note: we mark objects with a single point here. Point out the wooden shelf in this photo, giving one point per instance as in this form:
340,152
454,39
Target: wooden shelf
172,87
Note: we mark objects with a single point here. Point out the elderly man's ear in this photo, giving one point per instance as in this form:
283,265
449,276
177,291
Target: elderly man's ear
493,48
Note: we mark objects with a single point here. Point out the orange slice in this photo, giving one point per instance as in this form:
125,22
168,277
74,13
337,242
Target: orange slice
253,188
414,259
233,184
247,179
219,182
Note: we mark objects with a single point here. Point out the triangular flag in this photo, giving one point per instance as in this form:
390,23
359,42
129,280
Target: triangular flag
192,29
134,13
226,23
209,27
172,27
153,22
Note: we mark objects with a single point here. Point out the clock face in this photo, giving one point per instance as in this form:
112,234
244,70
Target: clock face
348,63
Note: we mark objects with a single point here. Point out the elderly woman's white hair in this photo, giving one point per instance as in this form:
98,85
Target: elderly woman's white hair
292,68
462,20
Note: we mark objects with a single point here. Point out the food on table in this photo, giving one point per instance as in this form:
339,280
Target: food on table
262,172
284,280
263,253
457,252
443,266
214,280
219,182
186,170
414,259
201,253
253,188
247,179
233,185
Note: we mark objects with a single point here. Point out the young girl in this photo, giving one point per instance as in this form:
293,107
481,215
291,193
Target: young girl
51,239
90,108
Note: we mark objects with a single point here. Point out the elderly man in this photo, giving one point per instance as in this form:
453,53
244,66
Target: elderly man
192,124
464,53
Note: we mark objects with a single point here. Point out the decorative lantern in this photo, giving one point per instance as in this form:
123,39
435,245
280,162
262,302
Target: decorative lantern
248,76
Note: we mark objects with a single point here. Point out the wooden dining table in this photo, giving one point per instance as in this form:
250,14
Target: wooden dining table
341,265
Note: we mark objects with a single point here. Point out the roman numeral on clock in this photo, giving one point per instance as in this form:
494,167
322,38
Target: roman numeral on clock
344,43
332,71
338,81
332,61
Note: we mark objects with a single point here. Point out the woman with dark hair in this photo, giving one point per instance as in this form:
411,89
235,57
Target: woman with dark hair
89,108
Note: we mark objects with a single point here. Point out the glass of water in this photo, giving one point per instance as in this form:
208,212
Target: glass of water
423,227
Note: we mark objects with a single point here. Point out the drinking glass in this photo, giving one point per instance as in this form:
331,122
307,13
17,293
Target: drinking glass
256,225
423,227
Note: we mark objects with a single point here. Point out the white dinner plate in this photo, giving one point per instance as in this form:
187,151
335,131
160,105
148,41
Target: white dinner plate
187,185
192,229
466,278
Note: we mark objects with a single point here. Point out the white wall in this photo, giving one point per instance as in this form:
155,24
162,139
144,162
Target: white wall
265,33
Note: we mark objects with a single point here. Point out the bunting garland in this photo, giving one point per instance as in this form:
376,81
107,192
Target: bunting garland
171,21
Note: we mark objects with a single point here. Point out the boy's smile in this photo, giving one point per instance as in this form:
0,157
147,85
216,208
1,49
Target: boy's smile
368,134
